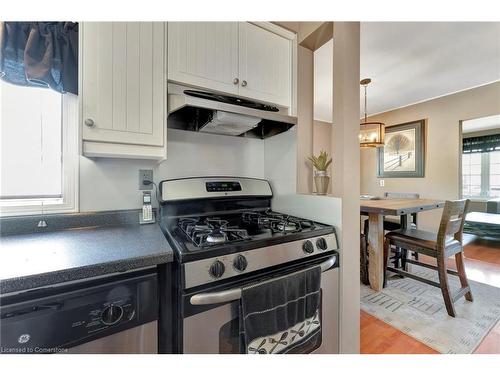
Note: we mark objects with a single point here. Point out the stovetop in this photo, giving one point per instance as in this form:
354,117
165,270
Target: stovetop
201,236
222,228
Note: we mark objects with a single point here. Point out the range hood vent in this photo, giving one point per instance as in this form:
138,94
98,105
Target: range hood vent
193,111
230,123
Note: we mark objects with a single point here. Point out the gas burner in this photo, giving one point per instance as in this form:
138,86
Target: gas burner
216,237
210,231
277,223
286,227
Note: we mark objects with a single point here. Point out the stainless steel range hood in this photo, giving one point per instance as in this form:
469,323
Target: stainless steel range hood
206,115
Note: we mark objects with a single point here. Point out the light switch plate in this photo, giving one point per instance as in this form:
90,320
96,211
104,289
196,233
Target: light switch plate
382,182
145,174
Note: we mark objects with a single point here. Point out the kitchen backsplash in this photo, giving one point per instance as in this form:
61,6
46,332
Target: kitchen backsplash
197,154
112,184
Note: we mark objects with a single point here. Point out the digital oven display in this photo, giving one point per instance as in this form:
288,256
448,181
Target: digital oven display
223,186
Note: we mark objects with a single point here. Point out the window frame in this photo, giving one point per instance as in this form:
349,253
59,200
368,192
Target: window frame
70,171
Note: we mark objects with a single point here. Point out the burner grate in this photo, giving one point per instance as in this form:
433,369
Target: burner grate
277,223
211,231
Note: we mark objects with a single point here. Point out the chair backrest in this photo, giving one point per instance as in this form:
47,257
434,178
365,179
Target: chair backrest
452,221
391,195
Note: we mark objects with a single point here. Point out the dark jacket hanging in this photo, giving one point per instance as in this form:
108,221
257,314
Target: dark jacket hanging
43,54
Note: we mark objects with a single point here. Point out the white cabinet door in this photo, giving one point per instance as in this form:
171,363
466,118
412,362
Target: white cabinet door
265,65
204,54
123,82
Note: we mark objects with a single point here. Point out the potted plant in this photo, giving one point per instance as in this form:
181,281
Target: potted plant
321,178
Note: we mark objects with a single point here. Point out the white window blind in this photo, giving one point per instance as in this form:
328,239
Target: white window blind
481,175
31,142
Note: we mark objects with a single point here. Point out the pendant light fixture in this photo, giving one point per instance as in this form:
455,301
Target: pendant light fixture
371,134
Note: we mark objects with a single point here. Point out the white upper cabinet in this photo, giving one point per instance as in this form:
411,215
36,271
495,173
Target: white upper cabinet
204,54
237,58
123,85
265,65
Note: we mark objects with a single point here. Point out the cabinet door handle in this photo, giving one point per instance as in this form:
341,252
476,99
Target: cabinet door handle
236,81
243,83
89,122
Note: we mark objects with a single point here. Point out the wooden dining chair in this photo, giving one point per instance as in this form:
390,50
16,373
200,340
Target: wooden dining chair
441,245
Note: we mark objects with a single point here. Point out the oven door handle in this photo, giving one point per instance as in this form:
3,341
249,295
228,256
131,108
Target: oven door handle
235,294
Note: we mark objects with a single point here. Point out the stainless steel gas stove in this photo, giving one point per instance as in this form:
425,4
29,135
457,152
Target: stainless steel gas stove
225,235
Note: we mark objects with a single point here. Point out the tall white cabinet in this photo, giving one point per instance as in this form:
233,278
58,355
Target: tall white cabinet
123,89
237,58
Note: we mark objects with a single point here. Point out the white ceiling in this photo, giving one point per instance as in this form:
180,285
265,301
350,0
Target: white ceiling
410,62
481,124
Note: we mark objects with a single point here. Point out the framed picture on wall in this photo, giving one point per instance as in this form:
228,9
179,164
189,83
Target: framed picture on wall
403,151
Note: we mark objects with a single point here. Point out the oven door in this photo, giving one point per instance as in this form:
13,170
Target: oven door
211,319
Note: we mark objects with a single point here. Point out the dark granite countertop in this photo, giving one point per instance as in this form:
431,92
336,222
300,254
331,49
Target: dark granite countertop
33,260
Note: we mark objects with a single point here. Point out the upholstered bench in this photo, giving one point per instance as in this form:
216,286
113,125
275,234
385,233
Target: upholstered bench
483,224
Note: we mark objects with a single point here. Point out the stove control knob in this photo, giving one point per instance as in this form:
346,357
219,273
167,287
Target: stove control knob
321,243
308,247
240,263
217,269
111,314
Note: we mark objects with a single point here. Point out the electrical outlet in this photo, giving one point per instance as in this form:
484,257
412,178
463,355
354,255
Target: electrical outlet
382,182
145,174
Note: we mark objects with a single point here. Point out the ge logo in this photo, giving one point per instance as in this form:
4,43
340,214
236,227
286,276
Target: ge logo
23,339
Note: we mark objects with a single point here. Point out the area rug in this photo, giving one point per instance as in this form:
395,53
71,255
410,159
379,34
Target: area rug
418,310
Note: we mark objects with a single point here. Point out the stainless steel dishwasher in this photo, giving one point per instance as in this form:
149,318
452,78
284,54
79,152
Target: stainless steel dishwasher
116,314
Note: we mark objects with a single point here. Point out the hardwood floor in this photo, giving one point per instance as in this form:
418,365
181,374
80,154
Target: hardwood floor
378,337
482,264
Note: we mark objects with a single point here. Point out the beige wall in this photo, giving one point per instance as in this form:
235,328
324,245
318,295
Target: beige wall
345,173
322,133
443,116
305,119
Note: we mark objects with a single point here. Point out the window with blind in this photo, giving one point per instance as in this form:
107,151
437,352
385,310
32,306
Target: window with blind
481,167
38,150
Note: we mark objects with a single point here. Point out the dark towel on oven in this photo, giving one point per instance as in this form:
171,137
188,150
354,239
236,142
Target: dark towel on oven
282,315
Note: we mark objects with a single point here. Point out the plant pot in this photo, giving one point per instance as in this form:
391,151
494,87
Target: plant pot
321,180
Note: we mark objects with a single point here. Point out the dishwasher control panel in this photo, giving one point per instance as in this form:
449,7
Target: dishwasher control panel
104,314
61,320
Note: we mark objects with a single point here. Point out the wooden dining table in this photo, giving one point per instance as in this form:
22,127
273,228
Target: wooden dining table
376,209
